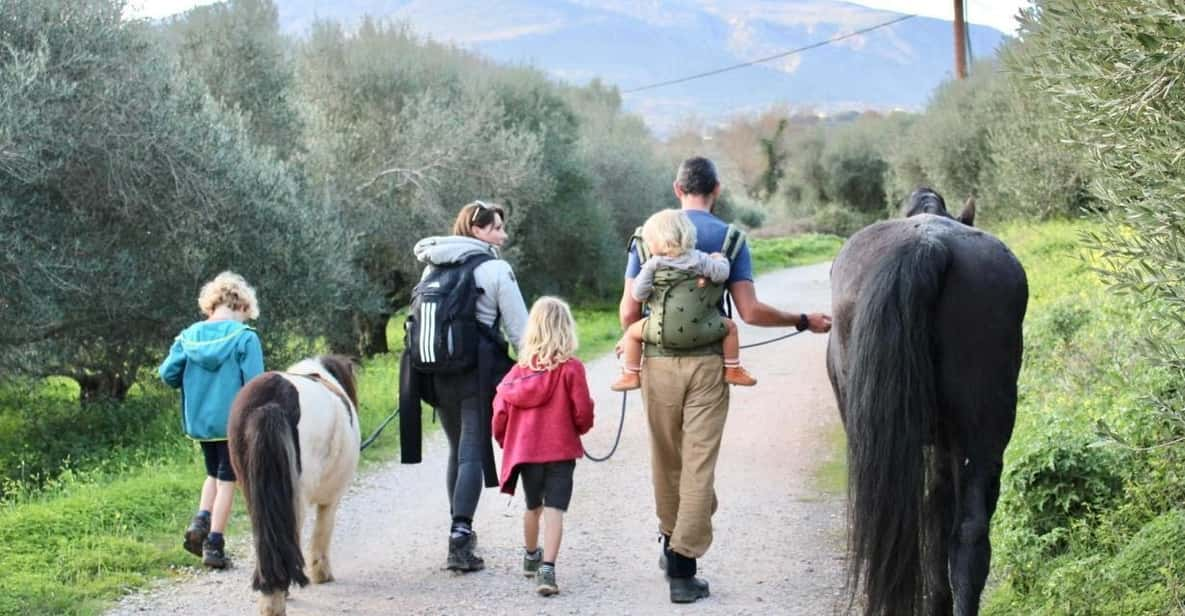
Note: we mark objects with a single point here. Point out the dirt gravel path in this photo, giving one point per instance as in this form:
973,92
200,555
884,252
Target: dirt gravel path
778,545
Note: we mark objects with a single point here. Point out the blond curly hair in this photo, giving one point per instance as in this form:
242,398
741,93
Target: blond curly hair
231,290
669,233
550,339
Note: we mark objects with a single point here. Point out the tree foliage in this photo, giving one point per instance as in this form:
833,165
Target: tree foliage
1109,70
123,188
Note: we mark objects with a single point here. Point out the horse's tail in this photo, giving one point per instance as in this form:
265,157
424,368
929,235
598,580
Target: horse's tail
891,402
264,449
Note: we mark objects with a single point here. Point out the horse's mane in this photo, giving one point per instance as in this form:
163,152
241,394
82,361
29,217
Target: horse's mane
339,367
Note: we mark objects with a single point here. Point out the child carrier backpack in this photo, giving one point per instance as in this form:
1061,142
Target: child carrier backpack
441,331
683,314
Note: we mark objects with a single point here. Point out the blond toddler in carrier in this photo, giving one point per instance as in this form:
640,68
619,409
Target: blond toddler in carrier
670,238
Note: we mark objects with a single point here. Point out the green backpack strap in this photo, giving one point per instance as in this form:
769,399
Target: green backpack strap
734,239
636,242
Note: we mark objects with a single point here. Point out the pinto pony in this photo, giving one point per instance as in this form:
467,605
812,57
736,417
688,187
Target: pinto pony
293,440
923,358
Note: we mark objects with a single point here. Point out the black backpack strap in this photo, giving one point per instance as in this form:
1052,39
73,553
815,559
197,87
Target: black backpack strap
471,262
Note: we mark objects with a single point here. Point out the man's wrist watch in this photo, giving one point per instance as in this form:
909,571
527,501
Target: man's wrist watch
803,322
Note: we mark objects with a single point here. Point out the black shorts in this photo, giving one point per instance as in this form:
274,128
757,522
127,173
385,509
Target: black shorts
217,455
548,484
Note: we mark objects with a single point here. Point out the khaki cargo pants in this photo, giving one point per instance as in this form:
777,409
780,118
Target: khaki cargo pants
686,402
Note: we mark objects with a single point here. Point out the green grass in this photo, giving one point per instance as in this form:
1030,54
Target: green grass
807,249
84,537
598,330
832,476
108,491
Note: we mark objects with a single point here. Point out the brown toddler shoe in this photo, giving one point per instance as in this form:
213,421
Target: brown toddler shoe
737,375
629,380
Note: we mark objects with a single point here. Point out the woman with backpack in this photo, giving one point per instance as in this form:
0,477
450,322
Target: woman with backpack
456,355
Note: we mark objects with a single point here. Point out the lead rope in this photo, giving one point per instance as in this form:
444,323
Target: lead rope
616,441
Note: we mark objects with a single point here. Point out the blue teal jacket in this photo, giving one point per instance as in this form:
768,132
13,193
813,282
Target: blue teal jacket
211,361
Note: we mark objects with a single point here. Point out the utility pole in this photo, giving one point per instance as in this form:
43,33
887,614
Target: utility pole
960,42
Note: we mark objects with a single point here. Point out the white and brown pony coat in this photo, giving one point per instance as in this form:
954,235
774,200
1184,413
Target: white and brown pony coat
294,442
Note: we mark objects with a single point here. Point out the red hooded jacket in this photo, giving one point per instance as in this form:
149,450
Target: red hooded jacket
539,417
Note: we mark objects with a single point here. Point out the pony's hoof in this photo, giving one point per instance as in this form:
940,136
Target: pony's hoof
319,573
274,604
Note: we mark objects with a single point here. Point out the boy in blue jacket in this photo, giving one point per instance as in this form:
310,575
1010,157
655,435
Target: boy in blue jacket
210,361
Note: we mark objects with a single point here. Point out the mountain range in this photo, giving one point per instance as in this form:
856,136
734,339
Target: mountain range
635,43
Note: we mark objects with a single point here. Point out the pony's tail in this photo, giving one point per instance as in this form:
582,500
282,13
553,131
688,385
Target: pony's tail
890,408
265,458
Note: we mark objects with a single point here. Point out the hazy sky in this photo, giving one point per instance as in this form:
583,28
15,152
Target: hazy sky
996,13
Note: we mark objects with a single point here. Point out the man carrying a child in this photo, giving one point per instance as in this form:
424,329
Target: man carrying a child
686,395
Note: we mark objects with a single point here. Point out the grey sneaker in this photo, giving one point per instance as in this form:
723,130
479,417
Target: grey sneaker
545,581
196,534
531,562
461,556
214,556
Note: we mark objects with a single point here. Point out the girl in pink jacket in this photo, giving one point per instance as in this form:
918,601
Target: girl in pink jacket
541,409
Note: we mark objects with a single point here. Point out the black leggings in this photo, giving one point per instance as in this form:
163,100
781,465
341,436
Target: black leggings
462,426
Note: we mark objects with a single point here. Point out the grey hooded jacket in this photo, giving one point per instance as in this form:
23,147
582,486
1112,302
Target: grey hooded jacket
495,277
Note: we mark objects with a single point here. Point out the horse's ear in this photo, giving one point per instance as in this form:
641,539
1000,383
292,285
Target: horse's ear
968,215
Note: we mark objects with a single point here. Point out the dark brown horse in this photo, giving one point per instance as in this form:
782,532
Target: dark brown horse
924,358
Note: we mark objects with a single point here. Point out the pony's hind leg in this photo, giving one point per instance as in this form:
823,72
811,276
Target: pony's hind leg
971,550
273,604
319,547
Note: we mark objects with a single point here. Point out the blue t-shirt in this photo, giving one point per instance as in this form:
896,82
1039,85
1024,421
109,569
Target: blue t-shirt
709,233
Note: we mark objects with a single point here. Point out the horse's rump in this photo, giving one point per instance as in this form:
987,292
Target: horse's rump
923,358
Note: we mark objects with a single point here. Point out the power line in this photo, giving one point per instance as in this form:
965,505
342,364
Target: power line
768,58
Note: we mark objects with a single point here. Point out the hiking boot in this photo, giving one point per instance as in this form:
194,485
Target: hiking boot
545,582
737,375
688,589
629,380
460,553
195,535
214,556
531,562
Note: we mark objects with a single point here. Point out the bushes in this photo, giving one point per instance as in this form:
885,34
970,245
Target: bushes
1145,576
838,220
43,431
1055,479
1072,499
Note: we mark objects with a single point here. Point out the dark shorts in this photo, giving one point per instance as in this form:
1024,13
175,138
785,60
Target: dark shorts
548,484
217,456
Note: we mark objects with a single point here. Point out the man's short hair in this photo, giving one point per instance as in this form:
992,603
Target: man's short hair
697,176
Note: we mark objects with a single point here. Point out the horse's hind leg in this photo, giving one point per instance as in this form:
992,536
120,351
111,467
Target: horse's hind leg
319,548
971,551
941,508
